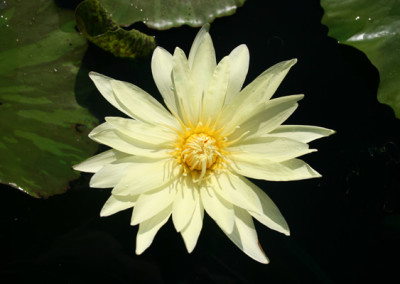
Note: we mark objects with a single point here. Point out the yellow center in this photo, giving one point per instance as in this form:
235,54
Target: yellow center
200,151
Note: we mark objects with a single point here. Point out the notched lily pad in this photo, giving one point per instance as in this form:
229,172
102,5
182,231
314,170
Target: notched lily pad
372,26
96,25
43,131
165,14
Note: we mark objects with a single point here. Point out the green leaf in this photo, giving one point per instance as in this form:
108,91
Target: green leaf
96,25
372,26
165,14
43,131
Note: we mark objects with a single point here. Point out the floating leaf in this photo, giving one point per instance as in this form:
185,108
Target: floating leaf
43,131
373,26
97,26
165,14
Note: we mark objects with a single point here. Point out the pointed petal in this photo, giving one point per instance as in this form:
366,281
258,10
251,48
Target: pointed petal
110,175
244,236
141,105
147,174
263,169
196,43
106,134
191,232
115,204
256,94
185,202
275,149
103,84
149,228
220,210
239,65
161,67
203,64
302,133
142,131
270,115
151,203
214,96
95,163
189,100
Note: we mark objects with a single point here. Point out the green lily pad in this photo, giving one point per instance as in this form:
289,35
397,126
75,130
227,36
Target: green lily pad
372,26
43,131
165,14
97,26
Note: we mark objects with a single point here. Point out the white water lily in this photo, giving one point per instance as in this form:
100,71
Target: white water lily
194,157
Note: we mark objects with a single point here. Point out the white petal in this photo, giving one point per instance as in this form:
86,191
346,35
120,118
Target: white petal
191,232
107,135
285,171
220,210
149,228
103,84
189,100
185,202
197,41
142,131
203,64
244,236
161,67
275,149
151,203
269,116
115,204
214,96
95,163
141,105
249,100
239,65
110,174
246,195
302,133
147,174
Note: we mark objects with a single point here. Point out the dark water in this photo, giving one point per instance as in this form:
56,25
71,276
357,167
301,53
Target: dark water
345,226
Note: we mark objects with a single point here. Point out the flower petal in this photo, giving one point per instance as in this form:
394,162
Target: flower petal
95,163
275,149
214,96
256,94
191,232
185,202
202,61
220,210
115,204
110,174
151,203
244,236
285,171
302,133
246,195
149,228
146,174
141,105
103,84
239,65
189,100
269,116
161,67
107,135
142,131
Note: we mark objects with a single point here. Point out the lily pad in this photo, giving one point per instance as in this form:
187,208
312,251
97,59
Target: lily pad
372,26
97,26
165,14
43,131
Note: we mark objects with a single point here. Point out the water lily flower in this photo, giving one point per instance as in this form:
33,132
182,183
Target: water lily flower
195,156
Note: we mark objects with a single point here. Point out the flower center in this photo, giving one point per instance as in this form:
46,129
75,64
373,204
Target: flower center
200,151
